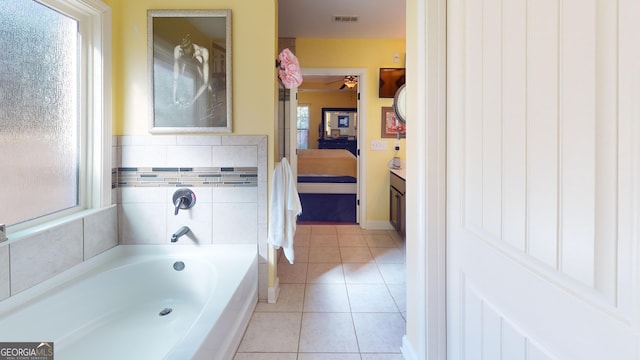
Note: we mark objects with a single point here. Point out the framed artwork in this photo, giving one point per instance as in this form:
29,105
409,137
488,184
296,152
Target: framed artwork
189,53
391,127
390,81
343,121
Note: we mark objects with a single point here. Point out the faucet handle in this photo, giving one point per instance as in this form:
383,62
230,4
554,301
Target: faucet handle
183,199
178,203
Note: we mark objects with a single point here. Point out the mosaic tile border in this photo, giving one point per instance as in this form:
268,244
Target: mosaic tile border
185,176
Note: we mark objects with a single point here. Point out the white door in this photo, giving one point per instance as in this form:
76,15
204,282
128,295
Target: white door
543,186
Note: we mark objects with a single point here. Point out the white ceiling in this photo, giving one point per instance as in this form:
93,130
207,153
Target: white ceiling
377,19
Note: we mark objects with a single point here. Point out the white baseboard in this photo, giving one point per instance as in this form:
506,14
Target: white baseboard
407,350
273,292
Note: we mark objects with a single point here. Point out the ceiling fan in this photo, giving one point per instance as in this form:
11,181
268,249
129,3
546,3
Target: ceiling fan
349,81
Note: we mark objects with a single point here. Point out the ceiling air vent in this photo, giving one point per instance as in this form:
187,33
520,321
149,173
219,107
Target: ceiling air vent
345,18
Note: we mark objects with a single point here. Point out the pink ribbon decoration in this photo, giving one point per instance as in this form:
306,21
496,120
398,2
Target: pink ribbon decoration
289,69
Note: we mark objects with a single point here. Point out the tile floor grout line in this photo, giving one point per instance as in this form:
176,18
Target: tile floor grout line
304,296
387,282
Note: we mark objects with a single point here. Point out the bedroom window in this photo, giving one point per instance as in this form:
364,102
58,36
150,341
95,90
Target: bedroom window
46,128
303,126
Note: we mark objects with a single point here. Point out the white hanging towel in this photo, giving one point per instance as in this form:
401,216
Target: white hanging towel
284,209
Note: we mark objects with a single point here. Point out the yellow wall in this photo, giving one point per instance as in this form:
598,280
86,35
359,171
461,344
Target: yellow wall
254,41
254,50
254,46
371,54
319,100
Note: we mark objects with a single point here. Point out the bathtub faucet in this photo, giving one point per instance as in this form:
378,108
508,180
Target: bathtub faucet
182,231
183,199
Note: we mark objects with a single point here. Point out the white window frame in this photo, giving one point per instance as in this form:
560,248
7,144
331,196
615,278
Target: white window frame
308,106
94,186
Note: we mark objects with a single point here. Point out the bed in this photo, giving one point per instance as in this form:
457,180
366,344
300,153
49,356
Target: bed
327,185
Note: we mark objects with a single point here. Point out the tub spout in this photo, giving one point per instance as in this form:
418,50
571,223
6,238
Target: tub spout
182,231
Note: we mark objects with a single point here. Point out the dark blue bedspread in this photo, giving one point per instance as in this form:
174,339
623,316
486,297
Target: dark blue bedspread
326,179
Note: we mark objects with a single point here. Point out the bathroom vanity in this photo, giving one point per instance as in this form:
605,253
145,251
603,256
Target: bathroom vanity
397,203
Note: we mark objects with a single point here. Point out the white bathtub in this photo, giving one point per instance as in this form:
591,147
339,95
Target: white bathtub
109,306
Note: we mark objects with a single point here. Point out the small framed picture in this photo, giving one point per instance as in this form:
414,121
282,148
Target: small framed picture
335,133
343,121
391,127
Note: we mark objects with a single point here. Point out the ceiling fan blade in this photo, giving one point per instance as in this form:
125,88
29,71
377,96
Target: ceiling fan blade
343,86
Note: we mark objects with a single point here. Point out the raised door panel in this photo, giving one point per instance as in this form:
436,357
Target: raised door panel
538,212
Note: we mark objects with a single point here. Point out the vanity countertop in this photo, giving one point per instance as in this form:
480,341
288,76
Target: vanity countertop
400,172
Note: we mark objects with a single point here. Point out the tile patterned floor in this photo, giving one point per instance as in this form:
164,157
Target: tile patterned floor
343,299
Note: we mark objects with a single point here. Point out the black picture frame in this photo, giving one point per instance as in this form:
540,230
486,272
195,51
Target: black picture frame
343,121
330,122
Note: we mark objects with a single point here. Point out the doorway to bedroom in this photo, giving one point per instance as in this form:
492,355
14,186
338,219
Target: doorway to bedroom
327,162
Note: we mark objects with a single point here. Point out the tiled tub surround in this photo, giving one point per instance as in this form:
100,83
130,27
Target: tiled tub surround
240,209
28,259
228,175
188,177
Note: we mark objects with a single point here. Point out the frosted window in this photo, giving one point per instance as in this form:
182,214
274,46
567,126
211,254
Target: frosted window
39,122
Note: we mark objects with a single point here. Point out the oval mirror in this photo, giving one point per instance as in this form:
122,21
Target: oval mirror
400,104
